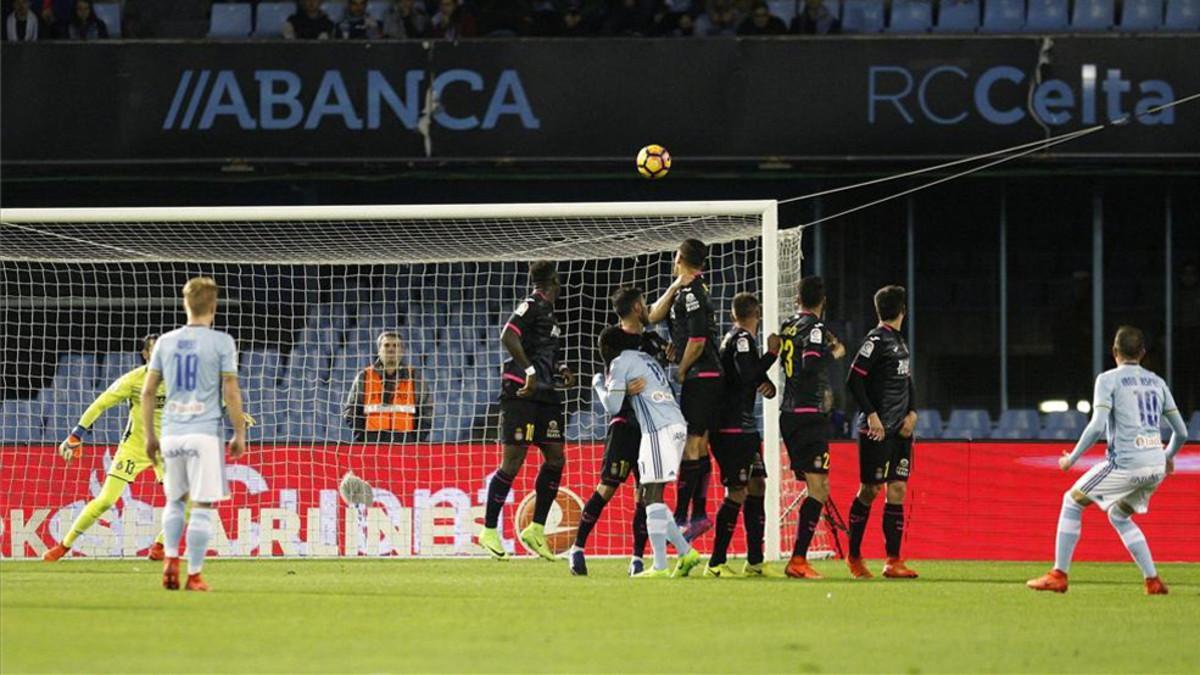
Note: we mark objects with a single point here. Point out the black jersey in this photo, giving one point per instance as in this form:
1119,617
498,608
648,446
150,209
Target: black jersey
804,349
693,319
745,369
880,378
533,321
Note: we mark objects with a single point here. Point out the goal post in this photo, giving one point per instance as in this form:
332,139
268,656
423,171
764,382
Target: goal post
305,289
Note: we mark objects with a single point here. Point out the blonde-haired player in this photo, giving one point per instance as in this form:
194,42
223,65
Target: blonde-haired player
199,368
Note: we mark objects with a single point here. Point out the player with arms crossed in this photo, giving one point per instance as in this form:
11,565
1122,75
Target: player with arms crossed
1129,400
663,436
737,444
804,412
624,436
881,382
199,367
531,410
693,327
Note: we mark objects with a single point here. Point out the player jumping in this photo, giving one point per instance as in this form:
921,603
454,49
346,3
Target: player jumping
531,410
199,367
737,444
1128,403
882,385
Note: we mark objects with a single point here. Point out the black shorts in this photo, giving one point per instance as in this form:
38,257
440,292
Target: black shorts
735,455
806,437
530,422
701,404
885,461
621,448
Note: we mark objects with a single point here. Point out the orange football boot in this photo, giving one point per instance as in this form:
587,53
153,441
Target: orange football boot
858,569
171,574
156,553
896,569
195,583
1054,580
799,568
53,554
1155,586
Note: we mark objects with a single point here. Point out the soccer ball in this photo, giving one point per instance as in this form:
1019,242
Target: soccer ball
653,161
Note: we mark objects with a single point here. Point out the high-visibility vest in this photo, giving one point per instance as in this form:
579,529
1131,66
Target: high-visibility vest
398,413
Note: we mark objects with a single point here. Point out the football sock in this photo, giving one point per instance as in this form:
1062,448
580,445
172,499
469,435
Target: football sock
545,490
172,527
700,491
893,528
859,513
1070,522
187,512
109,494
199,531
727,517
640,535
591,514
806,525
497,494
657,520
675,536
1134,540
754,515
689,476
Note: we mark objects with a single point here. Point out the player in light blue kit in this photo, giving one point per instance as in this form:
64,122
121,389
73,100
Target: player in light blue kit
1129,402
664,433
199,366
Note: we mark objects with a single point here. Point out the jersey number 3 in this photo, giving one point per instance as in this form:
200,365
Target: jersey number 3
789,350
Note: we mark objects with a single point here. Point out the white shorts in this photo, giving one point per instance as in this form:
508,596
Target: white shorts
1106,485
660,454
195,467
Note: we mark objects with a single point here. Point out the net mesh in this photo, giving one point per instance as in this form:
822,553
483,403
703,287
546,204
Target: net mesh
305,301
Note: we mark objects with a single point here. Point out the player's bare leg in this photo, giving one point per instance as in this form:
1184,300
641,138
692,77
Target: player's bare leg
893,531
545,492
860,511
807,520
498,488
1070,519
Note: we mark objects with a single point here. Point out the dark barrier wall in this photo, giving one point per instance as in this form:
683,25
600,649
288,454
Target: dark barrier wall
719,99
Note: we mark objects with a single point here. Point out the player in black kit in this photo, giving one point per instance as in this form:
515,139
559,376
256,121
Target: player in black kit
736,443
531,410
693,328
882,385
804,412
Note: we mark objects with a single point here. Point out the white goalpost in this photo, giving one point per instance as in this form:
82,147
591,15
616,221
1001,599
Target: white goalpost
306,290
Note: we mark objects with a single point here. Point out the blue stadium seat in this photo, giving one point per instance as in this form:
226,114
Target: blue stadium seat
1020,419
1092,15
115,365
1072,420
230,20
929,424
1046,16
110,14
911,16
336,9
786,9
263,364
1060,434
1182,15
1003,16
968,423
269,18
1141,15
20,421
1194,427
958,16
1010,433
862,16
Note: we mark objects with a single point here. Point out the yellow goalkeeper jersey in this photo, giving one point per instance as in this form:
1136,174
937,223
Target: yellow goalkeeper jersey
127,389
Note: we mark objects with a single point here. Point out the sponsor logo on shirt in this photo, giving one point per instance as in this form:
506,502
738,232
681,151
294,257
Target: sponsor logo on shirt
190,408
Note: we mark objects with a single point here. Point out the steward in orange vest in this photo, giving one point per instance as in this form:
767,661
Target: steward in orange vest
384,405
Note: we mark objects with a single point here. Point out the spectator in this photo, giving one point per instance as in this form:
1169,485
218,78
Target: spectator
310,23
357,24
671,14
547,21
573,21
22,25
720,19
505,18
54,12
630,17
761,22
406,20
84,25
386,402
452,22
816,19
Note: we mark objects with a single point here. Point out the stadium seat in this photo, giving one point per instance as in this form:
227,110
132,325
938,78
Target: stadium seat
1092,15
1020,419
968,423
20,421
115,365
862,16
1011,433
1141,15
1048,434
1072,420
230,20
1046,16
269,18
786,9
911,16
110,14
1003,16
1182,15
958,16
929,424
336,9
1194,427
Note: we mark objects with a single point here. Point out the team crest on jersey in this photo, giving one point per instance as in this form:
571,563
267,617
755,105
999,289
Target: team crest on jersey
519,434
522,308
867,349
552,430
743,344
691,302
814,336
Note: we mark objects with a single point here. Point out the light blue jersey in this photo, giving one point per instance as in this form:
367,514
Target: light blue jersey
655,407
1134,399
192,360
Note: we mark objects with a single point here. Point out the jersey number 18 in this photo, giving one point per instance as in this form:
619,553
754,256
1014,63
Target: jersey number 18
185,371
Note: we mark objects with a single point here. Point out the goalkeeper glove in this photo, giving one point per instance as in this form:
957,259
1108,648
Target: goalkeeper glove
73,446
250,421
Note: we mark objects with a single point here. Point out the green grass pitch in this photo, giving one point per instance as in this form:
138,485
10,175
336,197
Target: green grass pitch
528,615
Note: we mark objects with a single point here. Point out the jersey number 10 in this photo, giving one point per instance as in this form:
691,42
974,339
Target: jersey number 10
185,371
1148,408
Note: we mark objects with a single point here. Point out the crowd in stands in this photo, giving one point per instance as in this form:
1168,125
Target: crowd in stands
459,19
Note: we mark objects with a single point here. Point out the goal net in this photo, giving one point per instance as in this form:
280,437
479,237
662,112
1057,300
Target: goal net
306,291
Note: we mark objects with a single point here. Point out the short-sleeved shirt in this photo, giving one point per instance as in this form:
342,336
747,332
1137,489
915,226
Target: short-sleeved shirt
804,353
192,361
533,321
1135,400
693,319
883,361
655,407
745,369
